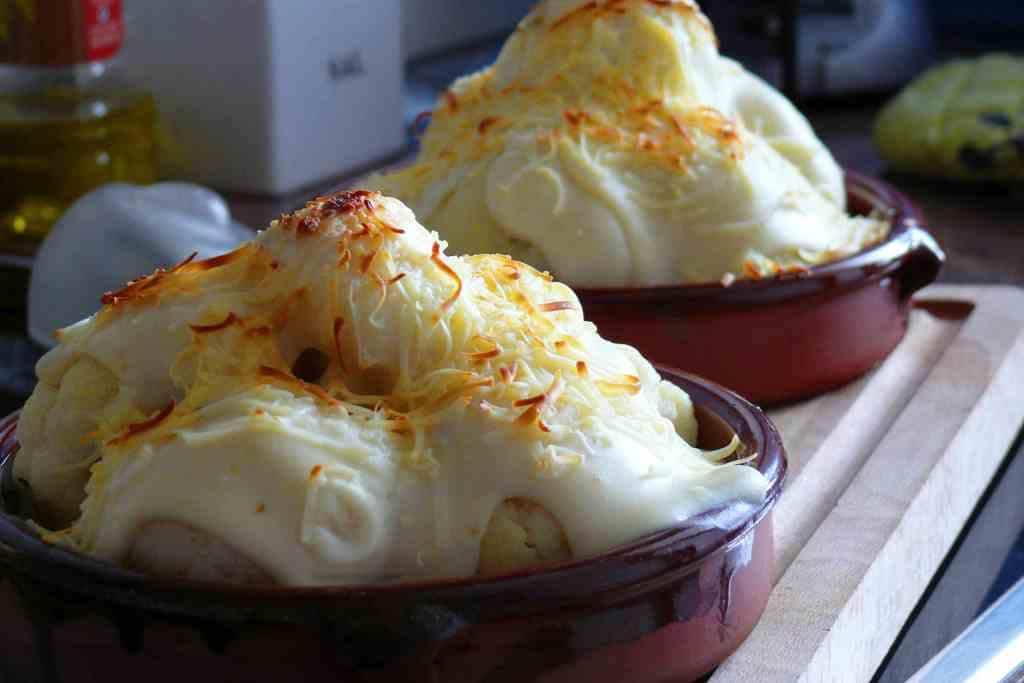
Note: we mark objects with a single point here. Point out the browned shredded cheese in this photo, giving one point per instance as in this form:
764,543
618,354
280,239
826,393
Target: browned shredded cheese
230,320
435,256
136,428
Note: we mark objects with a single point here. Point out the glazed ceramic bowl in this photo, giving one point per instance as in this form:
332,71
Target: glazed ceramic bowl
792,336
669,606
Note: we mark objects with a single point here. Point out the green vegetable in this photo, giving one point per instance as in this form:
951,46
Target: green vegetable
963,120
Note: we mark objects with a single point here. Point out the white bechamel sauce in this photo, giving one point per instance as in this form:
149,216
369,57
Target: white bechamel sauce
332,483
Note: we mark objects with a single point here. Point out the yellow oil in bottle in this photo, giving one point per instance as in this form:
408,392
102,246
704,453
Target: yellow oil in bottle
61,141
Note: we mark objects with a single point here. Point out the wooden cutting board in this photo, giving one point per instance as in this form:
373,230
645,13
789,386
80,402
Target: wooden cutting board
883,475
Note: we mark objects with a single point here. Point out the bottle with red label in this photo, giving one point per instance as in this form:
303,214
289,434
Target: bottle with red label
67,122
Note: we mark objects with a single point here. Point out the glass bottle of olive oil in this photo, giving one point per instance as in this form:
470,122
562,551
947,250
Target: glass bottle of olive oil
67,123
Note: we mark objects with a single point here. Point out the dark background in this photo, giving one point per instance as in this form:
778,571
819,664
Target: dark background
985,25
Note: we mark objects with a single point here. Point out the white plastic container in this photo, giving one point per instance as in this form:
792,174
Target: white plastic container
268,96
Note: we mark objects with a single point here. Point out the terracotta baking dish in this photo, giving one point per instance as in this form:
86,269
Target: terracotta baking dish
789,337
668,607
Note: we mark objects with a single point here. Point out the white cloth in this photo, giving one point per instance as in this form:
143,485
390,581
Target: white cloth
116,233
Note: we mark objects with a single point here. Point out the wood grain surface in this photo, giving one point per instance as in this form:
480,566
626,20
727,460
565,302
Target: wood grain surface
879,498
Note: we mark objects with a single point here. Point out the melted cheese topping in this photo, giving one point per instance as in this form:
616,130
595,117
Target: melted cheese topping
611,143
340,402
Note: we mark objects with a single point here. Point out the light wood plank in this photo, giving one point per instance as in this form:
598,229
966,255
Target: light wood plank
820,476
871,514
967,578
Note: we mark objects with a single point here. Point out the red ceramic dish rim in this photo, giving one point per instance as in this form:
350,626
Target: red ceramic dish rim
878,259
564,582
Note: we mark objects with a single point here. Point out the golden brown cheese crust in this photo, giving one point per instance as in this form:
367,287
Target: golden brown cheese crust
343,402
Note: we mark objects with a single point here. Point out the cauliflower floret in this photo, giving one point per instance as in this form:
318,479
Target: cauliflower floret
54,433
521,534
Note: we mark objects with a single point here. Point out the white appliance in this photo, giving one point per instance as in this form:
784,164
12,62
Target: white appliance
849,46
268,96
432,26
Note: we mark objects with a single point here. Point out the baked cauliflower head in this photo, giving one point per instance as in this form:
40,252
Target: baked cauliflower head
338,401
612,144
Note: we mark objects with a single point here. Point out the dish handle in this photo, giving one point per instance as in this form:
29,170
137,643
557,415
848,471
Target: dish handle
923,260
